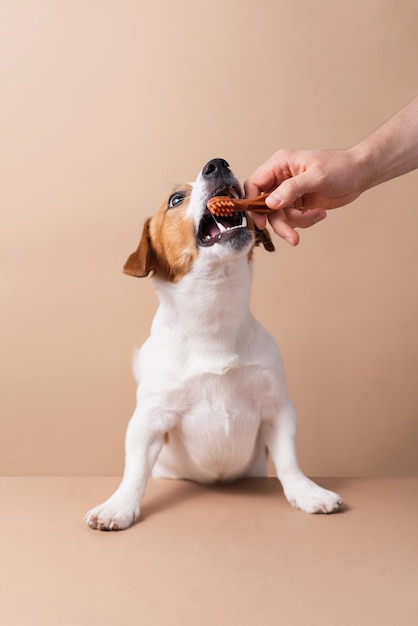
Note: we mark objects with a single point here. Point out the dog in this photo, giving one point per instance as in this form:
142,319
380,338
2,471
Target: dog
211,396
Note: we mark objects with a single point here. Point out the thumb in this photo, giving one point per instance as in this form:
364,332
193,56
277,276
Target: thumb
290,190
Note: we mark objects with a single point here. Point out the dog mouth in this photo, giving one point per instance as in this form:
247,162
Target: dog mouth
215,229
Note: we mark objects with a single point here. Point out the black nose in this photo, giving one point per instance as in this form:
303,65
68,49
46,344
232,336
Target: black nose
214,168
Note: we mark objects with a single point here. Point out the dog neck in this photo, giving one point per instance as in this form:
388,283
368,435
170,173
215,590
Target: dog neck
210,305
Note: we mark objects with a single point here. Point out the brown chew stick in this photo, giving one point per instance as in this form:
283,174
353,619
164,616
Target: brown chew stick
224,205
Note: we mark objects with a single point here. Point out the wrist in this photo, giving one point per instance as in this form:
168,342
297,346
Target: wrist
390,151
362,167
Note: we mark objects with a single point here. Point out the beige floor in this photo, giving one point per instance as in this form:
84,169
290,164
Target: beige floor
230,555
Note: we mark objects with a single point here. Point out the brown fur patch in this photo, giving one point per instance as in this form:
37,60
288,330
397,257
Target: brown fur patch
168,244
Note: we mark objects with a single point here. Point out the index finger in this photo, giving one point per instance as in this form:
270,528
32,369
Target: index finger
251,189
262,179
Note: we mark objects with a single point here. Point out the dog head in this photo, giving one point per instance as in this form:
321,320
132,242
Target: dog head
184,229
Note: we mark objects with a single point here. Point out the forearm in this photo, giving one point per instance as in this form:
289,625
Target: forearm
391,150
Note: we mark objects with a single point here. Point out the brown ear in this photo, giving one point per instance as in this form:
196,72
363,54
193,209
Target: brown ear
140,262
262,238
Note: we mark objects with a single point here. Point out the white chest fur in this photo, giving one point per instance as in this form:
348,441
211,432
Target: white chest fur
216,432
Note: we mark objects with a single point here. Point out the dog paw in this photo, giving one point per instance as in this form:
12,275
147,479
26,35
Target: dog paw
114,514
306,495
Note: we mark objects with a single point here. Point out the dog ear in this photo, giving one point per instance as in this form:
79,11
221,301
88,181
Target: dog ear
140,263
262,238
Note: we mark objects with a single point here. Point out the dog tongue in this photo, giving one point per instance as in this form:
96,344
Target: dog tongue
214,230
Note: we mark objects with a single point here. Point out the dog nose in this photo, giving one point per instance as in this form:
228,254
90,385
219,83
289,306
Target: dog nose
215,167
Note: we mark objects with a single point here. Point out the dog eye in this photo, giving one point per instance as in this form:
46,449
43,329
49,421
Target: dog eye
175,199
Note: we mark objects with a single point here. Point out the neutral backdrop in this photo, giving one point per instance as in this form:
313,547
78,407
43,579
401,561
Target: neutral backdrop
104,105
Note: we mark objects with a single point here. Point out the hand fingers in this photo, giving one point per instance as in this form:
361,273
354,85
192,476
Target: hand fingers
290,191
282,228
285,221
262,179
303,219
251,190
259,220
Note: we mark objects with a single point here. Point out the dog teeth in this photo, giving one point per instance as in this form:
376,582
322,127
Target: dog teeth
223,228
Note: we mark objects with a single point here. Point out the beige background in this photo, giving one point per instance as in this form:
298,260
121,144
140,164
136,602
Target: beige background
104,105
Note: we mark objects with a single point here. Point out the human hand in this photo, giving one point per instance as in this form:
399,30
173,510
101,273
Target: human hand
304,185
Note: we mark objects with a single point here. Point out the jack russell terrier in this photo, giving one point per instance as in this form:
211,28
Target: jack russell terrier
212,397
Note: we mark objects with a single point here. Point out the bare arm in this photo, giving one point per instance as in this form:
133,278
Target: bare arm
319,180
392,149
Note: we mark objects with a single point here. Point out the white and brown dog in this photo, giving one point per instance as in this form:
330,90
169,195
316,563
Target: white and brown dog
212,395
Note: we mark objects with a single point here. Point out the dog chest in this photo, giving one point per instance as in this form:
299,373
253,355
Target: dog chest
218,423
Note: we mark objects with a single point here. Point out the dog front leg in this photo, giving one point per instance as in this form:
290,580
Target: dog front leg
143,443
300,491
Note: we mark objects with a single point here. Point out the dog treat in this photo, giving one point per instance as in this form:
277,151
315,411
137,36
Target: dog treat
225,205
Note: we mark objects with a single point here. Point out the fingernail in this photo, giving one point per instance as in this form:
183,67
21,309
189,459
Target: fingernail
320,217
289,240
274,200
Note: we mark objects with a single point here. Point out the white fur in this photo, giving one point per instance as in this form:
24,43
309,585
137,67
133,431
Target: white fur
211,377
